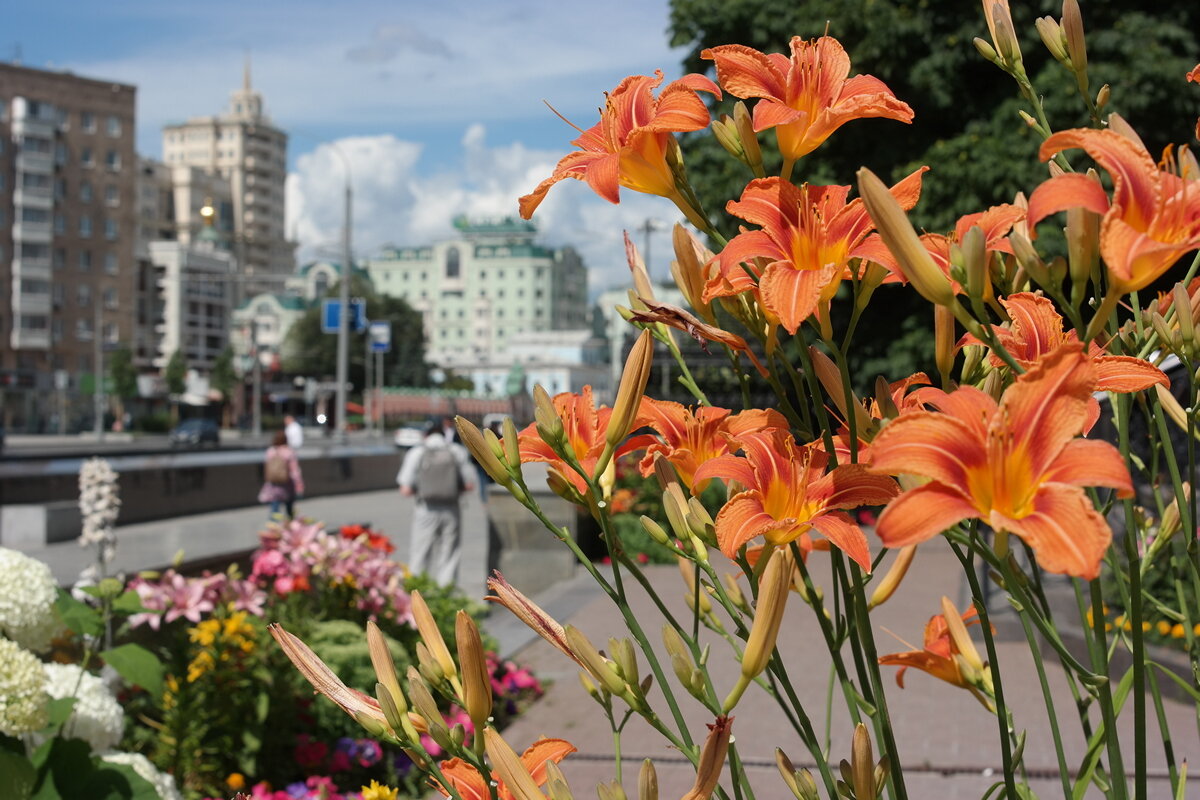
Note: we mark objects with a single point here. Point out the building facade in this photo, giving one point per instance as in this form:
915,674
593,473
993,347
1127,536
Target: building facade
242,146
478,290
67,230
192,300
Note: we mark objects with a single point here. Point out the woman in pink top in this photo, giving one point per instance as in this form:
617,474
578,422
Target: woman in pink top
282,482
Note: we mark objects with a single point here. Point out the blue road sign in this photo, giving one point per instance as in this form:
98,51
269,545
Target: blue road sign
331,315
381,337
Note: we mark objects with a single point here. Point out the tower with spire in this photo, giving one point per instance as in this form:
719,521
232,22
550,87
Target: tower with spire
243,146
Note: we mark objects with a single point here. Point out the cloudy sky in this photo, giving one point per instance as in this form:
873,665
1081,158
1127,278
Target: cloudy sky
437,105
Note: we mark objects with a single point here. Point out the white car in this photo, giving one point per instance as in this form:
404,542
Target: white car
410,435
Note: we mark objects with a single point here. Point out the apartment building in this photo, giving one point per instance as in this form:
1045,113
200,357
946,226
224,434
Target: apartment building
67,231
484,286
242,146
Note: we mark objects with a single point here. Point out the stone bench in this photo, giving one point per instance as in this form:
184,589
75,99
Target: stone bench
530,557
34,525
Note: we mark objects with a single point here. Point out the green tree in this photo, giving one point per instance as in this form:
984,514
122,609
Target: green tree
123,375
224,378
309,351
175,374
966,126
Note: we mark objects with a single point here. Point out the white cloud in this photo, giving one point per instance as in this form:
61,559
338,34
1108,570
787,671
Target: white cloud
394,203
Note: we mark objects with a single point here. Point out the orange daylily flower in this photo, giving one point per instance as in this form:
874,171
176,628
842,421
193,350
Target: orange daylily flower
1036,329
629,145
788,495
808,236
1154,216
471,785
1016,465
585,427
1194,75
807,97
690,437
995,223
938,657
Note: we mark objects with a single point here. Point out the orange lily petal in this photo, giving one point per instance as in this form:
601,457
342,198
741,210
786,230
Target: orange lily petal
537,754
922,513
938,446
846,536
1065,531
939,667
1072,190
1123,374
464,779
792,294
740,520
1087,462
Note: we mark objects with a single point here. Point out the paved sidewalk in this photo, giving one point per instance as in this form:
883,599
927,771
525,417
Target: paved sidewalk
947,740
153,545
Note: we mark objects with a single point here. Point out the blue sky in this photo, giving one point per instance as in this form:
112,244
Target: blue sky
438,102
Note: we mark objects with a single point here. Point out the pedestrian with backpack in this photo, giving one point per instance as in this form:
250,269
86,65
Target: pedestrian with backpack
282,480
437,474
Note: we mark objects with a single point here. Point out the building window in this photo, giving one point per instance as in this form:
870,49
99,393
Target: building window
87,122
60,223
453,264
58,295
111,196
60,188
58,259
83,332
111,229
114,125
85,157
110,299
85,192
29,214
60,153
85,225
112,160
85,260
83,295
56,330
110,263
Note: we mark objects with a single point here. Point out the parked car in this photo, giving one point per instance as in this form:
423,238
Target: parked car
410,435
195,433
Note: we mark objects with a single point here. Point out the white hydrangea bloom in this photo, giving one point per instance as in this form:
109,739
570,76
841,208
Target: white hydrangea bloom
27,594
164,782
97,717
99,505
22,690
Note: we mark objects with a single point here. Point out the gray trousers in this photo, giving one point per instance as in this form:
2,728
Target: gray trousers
436,540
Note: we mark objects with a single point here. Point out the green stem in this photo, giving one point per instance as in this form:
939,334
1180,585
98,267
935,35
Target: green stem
1116,766
1164,730
1135,616
1002,713
834,647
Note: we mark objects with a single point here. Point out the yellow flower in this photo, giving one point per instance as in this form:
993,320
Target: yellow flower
205,633
377,791
1177,630
201,664
1163,627
235,781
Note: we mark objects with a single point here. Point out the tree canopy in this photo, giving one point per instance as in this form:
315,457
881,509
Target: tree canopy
309,351
966,127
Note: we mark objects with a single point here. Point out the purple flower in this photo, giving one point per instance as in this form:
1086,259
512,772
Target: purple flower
187,598
246,596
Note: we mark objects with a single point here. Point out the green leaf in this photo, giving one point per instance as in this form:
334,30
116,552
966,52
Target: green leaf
137,665
17,776
59,711
66,767
79,617
129,603
120,782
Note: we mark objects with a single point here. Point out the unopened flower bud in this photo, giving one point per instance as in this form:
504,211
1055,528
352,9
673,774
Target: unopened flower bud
597,665
830,378
1072,28
1052,36
476,678
734,591
1183,314
725,132
629,394
676,507
862,764
958,634
647,781
431,635
556,783
768,615
712,759
895,574
589,686
428,666
883,399
509,767
986,50
693,586
477,444
975,263
385,667
1004,35
549,424
1103,96
690,270
898,234
748,138
944,339
1083,245
423,703
375,727
625,658
610,791
655,531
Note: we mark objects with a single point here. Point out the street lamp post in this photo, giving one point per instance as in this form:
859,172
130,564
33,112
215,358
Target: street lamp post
343,352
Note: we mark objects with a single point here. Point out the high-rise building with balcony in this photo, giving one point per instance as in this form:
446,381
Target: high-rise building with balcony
67,230
244,147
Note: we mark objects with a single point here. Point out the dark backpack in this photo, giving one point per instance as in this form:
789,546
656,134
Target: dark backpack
438,477
277,472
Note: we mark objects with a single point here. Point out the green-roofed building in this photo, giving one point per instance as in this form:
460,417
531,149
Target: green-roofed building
481,288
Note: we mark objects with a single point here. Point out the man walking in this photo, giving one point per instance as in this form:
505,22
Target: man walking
293,431
437,473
